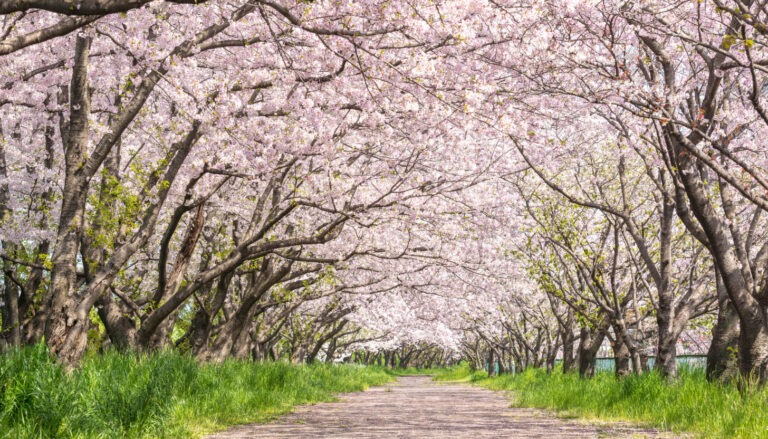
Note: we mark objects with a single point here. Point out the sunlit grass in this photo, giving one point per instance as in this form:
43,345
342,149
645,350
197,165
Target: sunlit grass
692,404
411,371
457,372
159,395
460,372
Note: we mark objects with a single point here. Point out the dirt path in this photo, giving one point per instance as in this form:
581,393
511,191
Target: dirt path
416,407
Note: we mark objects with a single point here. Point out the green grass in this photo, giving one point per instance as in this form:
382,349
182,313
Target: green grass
159,395
411,371
460,372
690,405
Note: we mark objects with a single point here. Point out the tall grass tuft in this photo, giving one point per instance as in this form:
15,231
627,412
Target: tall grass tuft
158,395
691,404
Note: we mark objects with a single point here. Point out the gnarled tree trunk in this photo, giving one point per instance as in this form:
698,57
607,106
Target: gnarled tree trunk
589,343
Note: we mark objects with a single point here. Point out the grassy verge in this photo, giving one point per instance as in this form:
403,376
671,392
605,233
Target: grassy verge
411,371
460,372
690,405
161,395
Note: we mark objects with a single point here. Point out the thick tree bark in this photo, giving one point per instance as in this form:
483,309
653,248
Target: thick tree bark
722,357
589,343
622,358
64,330
569,340
392,359
241,348
625,349
666,358
202,322
119,326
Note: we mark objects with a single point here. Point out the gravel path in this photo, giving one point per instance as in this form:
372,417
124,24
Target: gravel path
416,407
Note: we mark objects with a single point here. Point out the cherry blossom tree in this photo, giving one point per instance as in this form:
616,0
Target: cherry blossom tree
397,180
276,126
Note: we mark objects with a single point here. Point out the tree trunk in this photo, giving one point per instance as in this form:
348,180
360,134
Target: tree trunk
34,329
66,326
666,349
722,357
330,352
242,347
240,321
259,352
202,322
551,357
117,317
753,336
644,363
666,358
10,332
589,343
491,363
568,351
120,328
231,331
635,364
621,356
168,286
